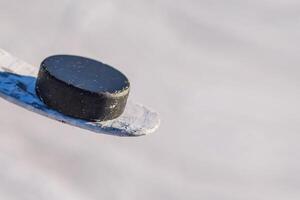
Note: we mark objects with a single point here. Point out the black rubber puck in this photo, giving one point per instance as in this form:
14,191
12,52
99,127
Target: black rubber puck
82,88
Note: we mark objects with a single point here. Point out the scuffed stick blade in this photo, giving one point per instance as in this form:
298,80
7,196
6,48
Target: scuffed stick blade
17,85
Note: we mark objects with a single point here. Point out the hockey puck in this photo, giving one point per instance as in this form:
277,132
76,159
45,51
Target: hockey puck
82,88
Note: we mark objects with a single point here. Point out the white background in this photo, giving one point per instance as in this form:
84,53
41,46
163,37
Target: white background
224,75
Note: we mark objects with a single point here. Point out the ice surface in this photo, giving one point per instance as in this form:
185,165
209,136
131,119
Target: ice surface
224,76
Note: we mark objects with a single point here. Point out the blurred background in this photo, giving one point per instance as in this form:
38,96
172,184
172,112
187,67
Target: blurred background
224,76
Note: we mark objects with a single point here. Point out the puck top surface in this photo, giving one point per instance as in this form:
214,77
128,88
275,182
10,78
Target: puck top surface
87,74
